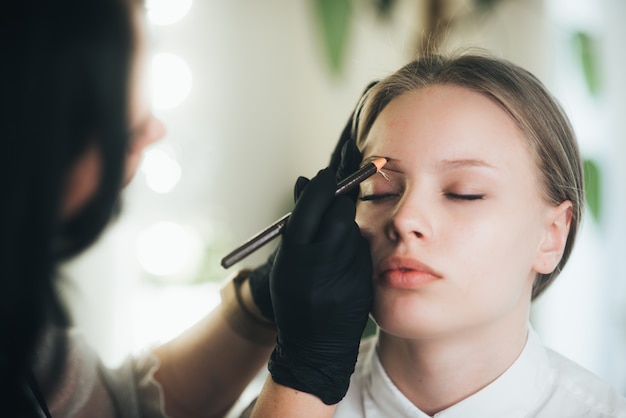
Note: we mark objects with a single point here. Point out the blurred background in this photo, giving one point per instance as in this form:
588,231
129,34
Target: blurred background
256,93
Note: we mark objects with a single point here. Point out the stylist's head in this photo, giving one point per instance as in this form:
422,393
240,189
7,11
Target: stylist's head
74,121
143,128
77,114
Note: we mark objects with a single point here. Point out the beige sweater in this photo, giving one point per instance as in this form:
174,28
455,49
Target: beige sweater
75,383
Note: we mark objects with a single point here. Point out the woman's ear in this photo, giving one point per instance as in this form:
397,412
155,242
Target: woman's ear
558,221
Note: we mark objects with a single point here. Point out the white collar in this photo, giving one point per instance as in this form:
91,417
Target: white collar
515,393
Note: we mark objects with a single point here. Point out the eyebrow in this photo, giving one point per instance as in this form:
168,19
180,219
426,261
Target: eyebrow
464,163
444,165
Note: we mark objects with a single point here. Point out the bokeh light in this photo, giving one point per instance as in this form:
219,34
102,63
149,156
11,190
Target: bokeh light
160,168
169,249
171,80
167,12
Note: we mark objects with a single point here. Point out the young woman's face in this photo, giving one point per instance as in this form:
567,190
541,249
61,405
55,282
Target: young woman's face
456,230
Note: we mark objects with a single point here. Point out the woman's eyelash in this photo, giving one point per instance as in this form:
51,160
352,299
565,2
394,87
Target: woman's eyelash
453,196
380,196
458,196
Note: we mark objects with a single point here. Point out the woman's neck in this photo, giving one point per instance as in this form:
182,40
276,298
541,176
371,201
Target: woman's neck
437,373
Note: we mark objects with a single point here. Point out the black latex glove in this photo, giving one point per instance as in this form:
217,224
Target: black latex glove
260,287
321,290
345,160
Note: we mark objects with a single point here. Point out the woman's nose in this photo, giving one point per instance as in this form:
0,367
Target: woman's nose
410,219
149,132
154,131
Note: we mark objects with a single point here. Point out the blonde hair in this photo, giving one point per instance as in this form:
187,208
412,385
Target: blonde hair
548,130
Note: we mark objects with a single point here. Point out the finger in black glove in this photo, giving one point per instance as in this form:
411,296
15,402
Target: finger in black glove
350,162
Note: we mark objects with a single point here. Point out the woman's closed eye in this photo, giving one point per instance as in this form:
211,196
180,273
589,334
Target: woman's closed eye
465,196
378,197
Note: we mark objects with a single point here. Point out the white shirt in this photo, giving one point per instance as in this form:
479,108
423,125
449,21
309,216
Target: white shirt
541,383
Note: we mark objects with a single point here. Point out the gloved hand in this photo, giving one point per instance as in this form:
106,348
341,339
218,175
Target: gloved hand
321,290
345,160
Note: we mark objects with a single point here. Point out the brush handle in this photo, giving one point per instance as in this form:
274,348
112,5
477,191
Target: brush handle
277,227
256,242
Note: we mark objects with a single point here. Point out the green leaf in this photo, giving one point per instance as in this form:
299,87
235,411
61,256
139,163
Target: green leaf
585,48
384,8
334,17
592,188
486,4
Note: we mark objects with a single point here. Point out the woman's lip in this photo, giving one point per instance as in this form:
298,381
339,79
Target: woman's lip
405,273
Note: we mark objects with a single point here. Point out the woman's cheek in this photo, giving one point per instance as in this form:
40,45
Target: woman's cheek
364,221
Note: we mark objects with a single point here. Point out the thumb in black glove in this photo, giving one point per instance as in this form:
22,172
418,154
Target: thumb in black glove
321,290
346,157
260,287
